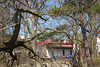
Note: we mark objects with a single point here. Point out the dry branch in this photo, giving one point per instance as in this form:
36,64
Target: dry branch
33,13
12,25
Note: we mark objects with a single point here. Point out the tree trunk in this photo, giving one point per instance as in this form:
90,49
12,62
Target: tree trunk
85,43
80,56
87,52
33,33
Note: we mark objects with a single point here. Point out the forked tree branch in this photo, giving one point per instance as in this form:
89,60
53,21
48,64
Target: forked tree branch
33,13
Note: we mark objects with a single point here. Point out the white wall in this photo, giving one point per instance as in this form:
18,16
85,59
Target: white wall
98,44
98,40
67,51
50,53
59,52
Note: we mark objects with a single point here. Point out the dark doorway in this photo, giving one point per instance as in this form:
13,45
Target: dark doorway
63,52
70,52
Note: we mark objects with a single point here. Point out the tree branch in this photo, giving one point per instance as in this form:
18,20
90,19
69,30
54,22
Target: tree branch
17,29
33,13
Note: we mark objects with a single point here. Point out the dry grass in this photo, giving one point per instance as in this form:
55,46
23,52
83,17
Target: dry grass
97,61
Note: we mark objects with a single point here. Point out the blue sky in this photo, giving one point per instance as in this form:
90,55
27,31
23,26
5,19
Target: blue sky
51,23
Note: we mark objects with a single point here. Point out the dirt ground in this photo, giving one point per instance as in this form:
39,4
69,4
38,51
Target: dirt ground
40,63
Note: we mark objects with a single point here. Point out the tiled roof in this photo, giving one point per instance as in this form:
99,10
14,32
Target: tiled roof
43,42
39,43
62,43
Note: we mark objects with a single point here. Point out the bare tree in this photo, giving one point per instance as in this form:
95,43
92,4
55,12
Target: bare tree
18,8
81,15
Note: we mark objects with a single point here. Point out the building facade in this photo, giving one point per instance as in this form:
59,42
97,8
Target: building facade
54,48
